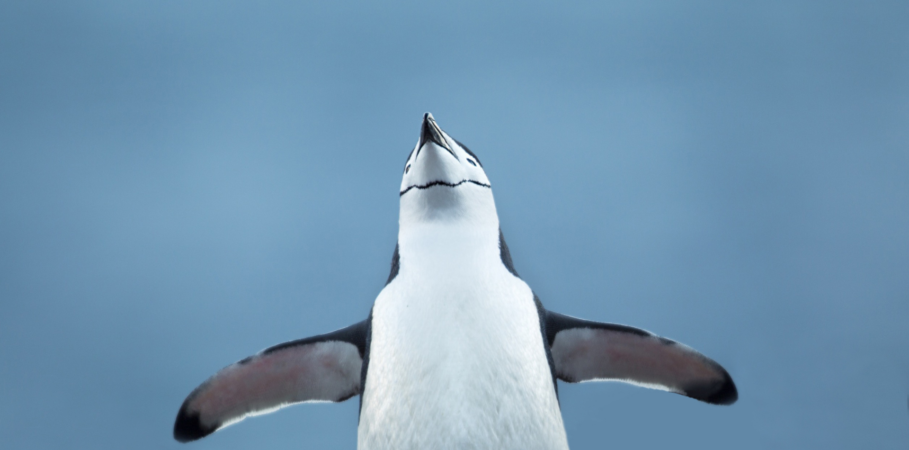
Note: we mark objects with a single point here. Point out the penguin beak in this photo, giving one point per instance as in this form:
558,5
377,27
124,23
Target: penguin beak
430,132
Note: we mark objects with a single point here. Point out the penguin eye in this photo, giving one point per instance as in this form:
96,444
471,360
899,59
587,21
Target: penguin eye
471,161
407,169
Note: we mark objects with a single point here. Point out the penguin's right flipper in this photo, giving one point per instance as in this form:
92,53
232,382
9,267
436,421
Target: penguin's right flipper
322,368
583,350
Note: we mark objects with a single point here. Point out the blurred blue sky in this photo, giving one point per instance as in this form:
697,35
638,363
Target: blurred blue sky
186,183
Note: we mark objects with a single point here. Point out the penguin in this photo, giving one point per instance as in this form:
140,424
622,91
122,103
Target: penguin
457,350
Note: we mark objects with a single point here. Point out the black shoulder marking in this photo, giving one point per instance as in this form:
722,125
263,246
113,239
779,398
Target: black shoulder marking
395,265
354,334
365,361
547,344
506,256
469,152
556,322
188,426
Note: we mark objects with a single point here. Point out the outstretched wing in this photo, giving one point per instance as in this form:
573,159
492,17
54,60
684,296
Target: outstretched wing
320,368
585,351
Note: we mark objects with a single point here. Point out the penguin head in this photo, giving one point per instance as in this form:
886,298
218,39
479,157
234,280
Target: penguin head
443,178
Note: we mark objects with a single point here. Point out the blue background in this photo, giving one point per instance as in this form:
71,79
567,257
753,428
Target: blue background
185,183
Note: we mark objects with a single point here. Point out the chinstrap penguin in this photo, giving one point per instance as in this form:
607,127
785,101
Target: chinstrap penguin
457,351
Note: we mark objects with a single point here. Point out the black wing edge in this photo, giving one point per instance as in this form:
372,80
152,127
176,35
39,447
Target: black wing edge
721,392
354,334
188,425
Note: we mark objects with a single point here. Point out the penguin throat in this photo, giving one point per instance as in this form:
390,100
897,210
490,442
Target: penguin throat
467,203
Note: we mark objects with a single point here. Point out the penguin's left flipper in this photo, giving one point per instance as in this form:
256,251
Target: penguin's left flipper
586,351
320,368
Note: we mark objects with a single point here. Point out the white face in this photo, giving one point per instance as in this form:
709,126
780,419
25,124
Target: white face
446,164
443,179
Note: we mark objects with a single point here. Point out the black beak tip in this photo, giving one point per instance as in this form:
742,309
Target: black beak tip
430,132
426,130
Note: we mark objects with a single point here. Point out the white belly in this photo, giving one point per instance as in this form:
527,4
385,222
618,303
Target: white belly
457,361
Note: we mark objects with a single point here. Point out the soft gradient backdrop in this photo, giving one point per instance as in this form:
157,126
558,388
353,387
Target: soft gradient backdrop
185,183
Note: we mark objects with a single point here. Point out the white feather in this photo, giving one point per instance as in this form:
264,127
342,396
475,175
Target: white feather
457,358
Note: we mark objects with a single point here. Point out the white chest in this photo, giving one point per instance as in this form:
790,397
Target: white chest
457,357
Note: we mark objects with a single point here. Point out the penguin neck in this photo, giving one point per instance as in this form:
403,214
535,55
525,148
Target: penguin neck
445,221
466,206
